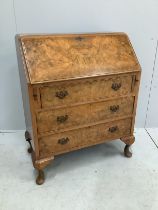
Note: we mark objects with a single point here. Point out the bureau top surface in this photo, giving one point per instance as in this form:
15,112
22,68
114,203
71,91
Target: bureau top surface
51,58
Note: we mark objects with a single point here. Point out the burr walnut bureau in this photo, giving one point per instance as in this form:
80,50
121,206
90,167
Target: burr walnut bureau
78,90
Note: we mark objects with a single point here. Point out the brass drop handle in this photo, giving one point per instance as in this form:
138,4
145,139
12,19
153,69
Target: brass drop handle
61,94
114,108
63,141
113,129
62,119
116,86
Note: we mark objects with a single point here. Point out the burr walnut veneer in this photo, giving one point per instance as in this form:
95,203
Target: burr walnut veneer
78,90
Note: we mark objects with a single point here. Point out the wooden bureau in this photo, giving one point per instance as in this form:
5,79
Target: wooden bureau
78,90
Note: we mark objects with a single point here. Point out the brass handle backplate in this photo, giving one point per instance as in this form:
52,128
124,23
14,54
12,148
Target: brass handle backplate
114,108
62,119
61,94
113,129
116,86
63,141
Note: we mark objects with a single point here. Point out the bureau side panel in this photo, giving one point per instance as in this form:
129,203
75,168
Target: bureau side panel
136,85
24,86
26,90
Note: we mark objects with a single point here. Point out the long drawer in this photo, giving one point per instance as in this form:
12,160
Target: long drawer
65,118
68,93
75,139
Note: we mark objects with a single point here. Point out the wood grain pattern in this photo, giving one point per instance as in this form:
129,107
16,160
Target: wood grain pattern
77,56
81,115
83,137
78,90
85,91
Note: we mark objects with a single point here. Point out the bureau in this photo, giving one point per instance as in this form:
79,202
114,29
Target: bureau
78,90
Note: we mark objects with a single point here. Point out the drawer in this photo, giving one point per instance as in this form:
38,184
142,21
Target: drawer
65,118
76,139
81,91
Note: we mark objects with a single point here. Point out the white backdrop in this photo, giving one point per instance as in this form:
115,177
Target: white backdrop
139,19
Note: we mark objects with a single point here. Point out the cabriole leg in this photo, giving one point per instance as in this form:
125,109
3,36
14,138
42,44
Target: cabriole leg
129,140
28,139
127,152
40,178
40,165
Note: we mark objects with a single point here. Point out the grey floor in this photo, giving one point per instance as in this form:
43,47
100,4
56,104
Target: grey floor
96,178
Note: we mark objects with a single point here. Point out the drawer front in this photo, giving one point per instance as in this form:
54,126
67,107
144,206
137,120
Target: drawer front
75,92
65,118
72,140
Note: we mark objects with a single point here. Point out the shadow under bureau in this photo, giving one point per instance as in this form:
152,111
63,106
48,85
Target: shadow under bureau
78,90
